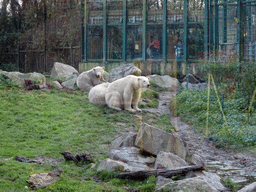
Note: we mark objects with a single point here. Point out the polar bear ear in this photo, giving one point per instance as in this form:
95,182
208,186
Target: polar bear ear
103,67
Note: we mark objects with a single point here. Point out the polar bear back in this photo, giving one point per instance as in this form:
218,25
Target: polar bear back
97,94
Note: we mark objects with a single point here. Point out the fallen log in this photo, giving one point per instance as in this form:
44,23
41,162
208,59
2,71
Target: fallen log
168,173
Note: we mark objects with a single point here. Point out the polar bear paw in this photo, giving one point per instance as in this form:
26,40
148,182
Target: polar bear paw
131,110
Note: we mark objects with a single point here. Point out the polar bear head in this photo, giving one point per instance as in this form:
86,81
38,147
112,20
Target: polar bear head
99,72
143,82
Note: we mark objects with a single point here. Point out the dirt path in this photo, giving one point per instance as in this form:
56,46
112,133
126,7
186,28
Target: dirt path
238,167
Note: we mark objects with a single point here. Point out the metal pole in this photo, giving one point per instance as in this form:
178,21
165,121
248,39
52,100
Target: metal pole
164,42
124,29
104,30
225,14
206,30
45,48
240,30
85,34
216,28
82,50
144,27
185,33
210,28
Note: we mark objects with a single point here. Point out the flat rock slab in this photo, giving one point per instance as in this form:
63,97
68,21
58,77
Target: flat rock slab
154,140
167,160
130,155
113,165
126,140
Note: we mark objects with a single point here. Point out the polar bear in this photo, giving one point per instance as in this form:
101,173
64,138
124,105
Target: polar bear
97,94
88,79
126,91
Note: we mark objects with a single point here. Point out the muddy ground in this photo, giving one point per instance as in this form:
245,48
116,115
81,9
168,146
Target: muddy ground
238,167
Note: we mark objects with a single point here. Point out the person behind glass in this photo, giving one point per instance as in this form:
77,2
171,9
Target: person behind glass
155,47
179,53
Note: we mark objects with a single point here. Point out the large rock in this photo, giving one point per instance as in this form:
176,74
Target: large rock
195,184
194,86
70,83
165,82
19,78
62,71
168,160
123,71
162,181
44,179
56,84
126,140
130,155
154,140
197,160
113,165
213,179
249,188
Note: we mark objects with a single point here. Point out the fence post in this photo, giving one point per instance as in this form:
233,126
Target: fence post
144,28
45,48
104,30
185,33
216,27
124,29
164,41
206,31
240,30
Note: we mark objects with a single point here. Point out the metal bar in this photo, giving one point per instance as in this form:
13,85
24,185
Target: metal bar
206,30
144,28
240,30
124,29
210,28
225,14
85,31
82,52
45,48
185,33
164,40
104,30
216,28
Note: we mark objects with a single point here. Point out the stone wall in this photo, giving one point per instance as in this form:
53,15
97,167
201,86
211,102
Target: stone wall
148,67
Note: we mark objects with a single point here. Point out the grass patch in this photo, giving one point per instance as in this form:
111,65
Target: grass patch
150,94
230,184
37,123
191,105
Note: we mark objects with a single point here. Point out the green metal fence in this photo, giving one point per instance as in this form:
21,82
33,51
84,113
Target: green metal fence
231,30
123,30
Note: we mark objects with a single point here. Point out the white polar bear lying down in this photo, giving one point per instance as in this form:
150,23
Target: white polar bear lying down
88,79
97,94
126,91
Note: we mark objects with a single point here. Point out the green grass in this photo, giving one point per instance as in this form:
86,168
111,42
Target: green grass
37,123
191,105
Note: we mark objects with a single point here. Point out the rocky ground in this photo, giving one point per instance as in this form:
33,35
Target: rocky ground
238,167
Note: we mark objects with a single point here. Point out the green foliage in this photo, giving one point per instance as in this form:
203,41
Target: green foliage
6,82
150,94
191,105
152,104
230,184
247,79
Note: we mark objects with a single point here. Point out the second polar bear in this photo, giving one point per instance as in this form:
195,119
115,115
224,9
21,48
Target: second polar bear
126,91
91,78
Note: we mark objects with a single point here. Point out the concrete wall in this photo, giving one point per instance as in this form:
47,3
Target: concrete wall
148,67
